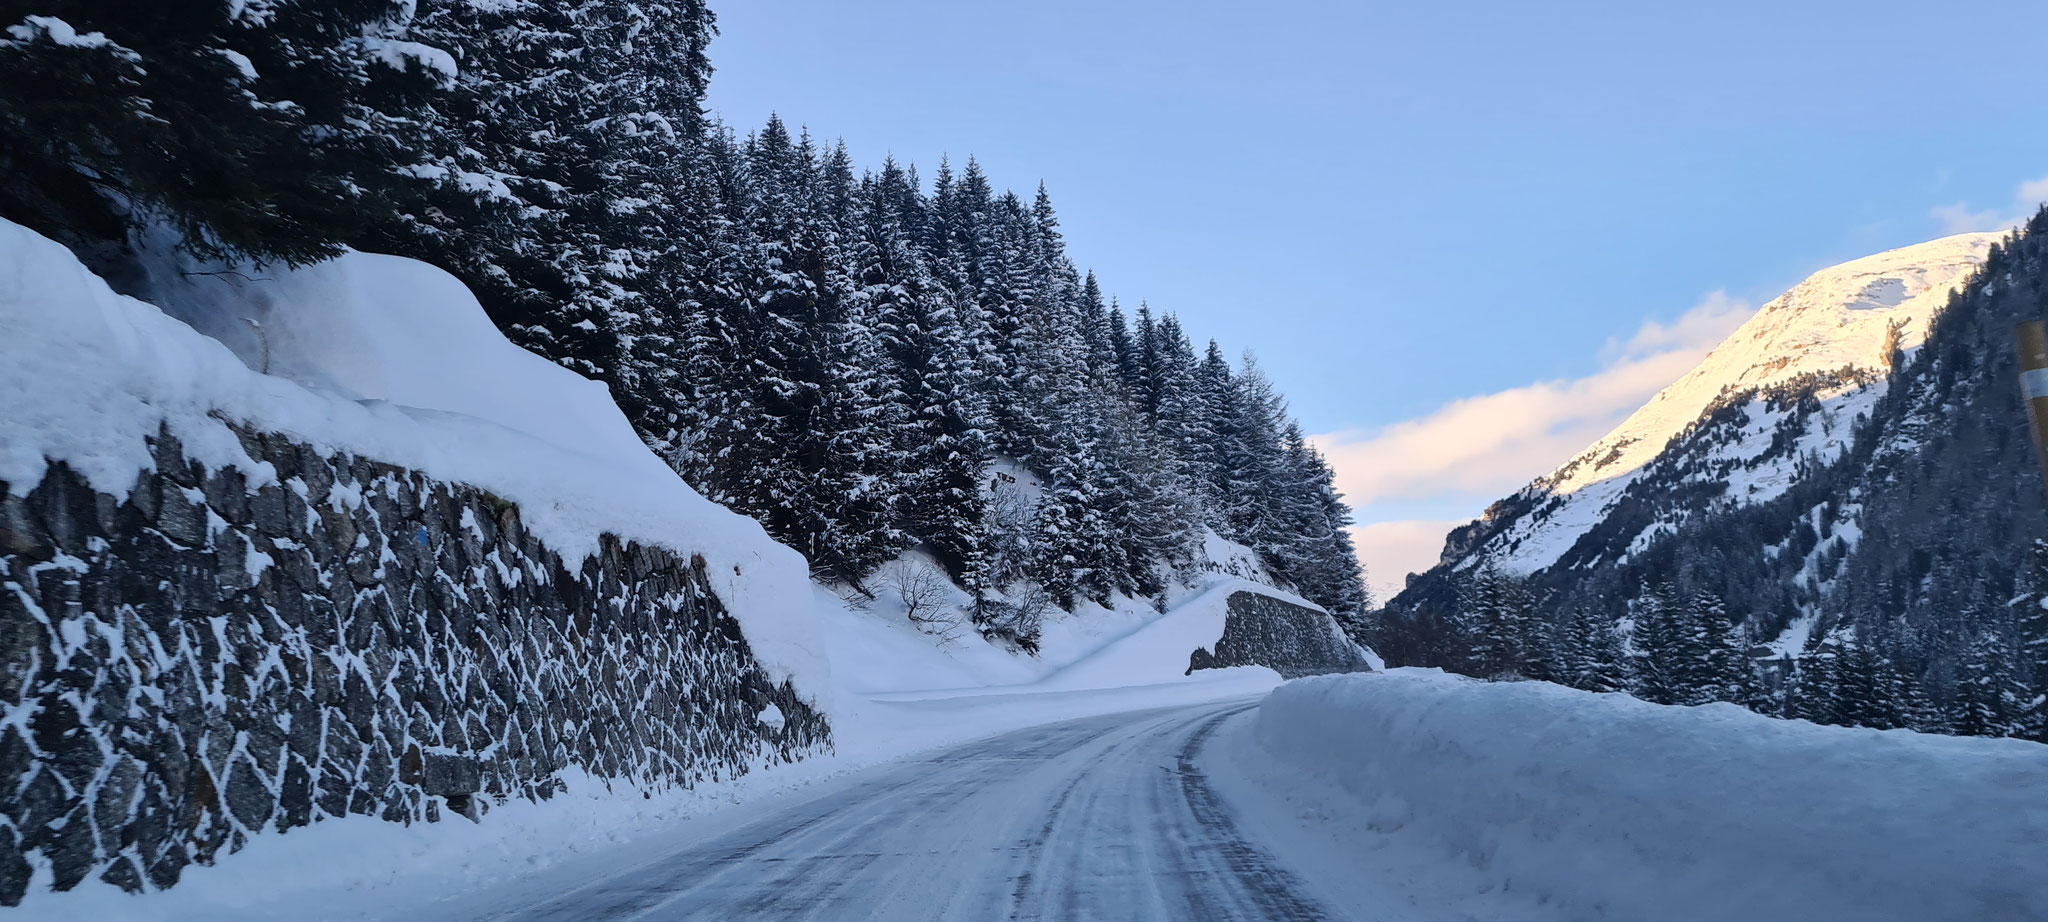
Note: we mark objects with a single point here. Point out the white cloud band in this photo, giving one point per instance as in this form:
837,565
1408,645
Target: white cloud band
1477,449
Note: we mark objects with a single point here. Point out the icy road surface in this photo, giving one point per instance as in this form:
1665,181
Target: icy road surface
1100,818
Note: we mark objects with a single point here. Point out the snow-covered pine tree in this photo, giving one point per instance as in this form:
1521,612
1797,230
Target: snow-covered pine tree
1588,653
942,442
1988,699
1183,415
1869,689
1313,539
274,131
1665,638
1812,693
1145,357
1494,611
2030,657
1254,478
1721,670
853,471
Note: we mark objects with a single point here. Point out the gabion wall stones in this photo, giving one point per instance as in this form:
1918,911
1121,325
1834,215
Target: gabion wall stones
1261,630
203,662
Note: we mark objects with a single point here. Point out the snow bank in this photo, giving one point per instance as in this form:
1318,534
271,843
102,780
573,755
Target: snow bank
383,357
1621,809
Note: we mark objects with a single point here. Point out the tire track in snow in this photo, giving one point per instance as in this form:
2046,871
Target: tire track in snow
1102,818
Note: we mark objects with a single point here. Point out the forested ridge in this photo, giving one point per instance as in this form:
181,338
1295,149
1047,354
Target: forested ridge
1903,584
847,354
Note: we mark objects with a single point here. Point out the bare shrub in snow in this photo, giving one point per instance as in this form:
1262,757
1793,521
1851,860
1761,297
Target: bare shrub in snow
1017,618
854,597
923,591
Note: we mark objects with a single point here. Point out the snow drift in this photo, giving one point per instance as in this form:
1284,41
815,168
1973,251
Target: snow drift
1623,809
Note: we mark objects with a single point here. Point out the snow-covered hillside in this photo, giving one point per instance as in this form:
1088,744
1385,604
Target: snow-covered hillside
379,356
392,362
395,360
1830,337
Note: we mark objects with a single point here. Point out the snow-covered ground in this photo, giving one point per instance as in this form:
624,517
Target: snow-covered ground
1533,801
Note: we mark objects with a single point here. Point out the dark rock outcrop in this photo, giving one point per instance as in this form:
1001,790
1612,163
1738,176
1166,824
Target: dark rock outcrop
1294,641
201,662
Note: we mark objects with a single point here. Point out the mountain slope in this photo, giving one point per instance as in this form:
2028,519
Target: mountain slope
1865,536
1777,393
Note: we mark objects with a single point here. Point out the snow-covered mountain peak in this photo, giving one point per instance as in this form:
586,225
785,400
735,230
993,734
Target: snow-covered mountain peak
1829,337
1838,319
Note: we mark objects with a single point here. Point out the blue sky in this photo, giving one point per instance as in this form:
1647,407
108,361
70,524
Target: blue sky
1399,207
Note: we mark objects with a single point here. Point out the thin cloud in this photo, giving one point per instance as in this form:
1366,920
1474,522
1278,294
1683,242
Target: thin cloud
1494,443
1709,322
1958,218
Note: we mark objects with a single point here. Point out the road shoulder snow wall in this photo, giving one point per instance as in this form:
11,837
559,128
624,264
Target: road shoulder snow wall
1621,809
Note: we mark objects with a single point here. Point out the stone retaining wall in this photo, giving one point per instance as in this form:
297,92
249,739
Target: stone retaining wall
202,662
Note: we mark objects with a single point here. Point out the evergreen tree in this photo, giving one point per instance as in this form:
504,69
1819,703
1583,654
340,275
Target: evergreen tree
1247,418
1988,701
849,360
257,131
2031,656
1495,615
1723,671
1313,545
1589,653
1667,648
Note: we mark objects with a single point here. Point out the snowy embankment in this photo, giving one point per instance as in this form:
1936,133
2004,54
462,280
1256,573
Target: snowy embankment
377,356
1602,806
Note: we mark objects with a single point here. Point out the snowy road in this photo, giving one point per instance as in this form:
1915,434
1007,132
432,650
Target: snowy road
1101,818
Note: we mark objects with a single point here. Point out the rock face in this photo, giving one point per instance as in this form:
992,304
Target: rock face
1261,630
202,662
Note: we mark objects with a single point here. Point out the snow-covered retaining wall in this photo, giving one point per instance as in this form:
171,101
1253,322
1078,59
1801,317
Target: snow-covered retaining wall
202,662
1620,809
287,547
1294,640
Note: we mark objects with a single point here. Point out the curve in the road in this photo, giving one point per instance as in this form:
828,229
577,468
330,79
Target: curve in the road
1103,818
